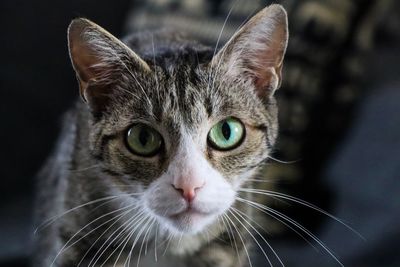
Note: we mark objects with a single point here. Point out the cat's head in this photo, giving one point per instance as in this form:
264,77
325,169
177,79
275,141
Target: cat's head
179,131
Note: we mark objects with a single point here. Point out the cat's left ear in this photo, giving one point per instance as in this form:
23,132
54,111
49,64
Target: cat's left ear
255,53
100,60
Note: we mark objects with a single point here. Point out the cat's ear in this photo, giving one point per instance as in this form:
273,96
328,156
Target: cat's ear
255,53
99,60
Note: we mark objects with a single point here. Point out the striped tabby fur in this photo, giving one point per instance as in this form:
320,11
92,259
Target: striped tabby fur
100,197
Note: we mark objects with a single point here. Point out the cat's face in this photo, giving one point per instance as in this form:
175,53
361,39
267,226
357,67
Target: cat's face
184,136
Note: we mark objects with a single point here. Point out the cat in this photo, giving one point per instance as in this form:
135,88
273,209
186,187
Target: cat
151,168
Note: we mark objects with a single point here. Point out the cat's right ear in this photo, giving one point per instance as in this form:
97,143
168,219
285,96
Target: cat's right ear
99,60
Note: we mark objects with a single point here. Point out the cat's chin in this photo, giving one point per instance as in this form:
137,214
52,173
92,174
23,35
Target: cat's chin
189,222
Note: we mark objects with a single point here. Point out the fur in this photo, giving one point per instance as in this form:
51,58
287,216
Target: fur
181,89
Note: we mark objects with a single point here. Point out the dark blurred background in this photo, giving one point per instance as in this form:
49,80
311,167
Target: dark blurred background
340,112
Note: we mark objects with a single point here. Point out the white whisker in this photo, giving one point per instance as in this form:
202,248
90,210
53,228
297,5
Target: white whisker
136,80
216,45
49,221
284,162
144,238
301,202
84,169
233,236
255,230
66,245
296,224
127,237
155,68
260,181
225,228
169,238
128,259
155,243
284,223
255,240
241,239
103,248
217,68
105,231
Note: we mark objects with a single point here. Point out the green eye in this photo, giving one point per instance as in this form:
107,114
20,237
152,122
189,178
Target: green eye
226,134
143,140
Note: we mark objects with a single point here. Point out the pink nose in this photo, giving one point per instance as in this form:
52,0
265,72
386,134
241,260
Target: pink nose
188,189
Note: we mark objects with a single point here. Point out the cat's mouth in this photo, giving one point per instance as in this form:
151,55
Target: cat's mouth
190,219
189,211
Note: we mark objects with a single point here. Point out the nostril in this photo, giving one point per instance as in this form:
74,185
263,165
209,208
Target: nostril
180,190
188,193
188,187
199,187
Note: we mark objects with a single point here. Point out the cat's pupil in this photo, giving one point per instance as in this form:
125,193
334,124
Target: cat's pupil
226,130
143,137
